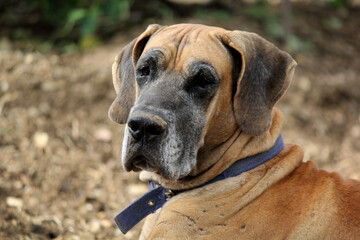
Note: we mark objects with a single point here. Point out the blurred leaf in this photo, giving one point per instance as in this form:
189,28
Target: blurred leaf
258,10
116,8
333,23
89,42
295,44
20,33
338,3
90,22
274,28
76,15
222,15
123,6
73,17
70,48
201,13
270,19
45,46
166,12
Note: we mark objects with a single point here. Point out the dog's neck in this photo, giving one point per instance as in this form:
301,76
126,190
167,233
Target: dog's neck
239,145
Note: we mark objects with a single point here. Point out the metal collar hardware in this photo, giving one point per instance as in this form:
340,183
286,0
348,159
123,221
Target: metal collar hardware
168,194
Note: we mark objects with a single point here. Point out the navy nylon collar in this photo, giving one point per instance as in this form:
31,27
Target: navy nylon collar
158,195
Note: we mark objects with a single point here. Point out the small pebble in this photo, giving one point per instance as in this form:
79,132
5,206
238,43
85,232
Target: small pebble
94,226
304,83
29,58
117,233
137,189
4,85
106,223
41,139
14,202
103,134
49,86
355,131
89,207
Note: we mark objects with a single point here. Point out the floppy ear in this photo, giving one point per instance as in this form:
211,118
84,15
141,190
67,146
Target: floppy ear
263,77
124,76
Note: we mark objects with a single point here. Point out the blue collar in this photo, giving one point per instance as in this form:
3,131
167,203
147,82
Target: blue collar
158,195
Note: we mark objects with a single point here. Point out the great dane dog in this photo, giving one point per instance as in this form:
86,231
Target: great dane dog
196,100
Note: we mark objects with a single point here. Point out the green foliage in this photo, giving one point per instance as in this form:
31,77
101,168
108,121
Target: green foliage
333,23
337,4
218,14
295,44
269,17
66,21
86,20
166,12
81,24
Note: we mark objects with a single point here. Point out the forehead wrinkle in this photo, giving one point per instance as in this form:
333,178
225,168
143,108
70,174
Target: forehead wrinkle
167,38
212,54
187,39
186,43
180,45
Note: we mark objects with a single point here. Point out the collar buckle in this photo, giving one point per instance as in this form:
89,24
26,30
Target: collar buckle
168,194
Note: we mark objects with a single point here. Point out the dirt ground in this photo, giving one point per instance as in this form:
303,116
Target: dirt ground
60,169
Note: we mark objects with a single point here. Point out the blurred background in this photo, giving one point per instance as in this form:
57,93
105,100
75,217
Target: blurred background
60,169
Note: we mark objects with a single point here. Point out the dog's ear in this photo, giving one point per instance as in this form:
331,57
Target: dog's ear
124,75
261,79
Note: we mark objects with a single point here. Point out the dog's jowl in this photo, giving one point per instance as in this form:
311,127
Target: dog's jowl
198,104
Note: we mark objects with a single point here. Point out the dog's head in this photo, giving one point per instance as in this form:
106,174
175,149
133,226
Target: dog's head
186,87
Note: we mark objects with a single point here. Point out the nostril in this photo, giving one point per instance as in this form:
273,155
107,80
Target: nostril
146,127
154,130
134,125
135,128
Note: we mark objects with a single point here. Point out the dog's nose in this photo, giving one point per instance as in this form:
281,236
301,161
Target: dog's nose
146,128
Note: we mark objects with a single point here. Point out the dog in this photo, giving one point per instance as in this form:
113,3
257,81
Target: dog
196,100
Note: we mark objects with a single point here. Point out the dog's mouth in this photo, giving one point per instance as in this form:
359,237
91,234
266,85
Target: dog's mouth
141,162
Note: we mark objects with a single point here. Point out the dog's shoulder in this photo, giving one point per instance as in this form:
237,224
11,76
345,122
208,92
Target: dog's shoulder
311,196
310,183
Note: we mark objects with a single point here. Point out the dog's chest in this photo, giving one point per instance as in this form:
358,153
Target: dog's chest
215,218
227,211
304,205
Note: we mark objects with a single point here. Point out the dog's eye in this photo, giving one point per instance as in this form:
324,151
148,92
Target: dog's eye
200,83
144,71
143,74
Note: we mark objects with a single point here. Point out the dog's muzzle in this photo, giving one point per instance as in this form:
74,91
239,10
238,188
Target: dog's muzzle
145,132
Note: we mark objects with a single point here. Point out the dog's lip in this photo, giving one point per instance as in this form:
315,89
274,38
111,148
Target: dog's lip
141,162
